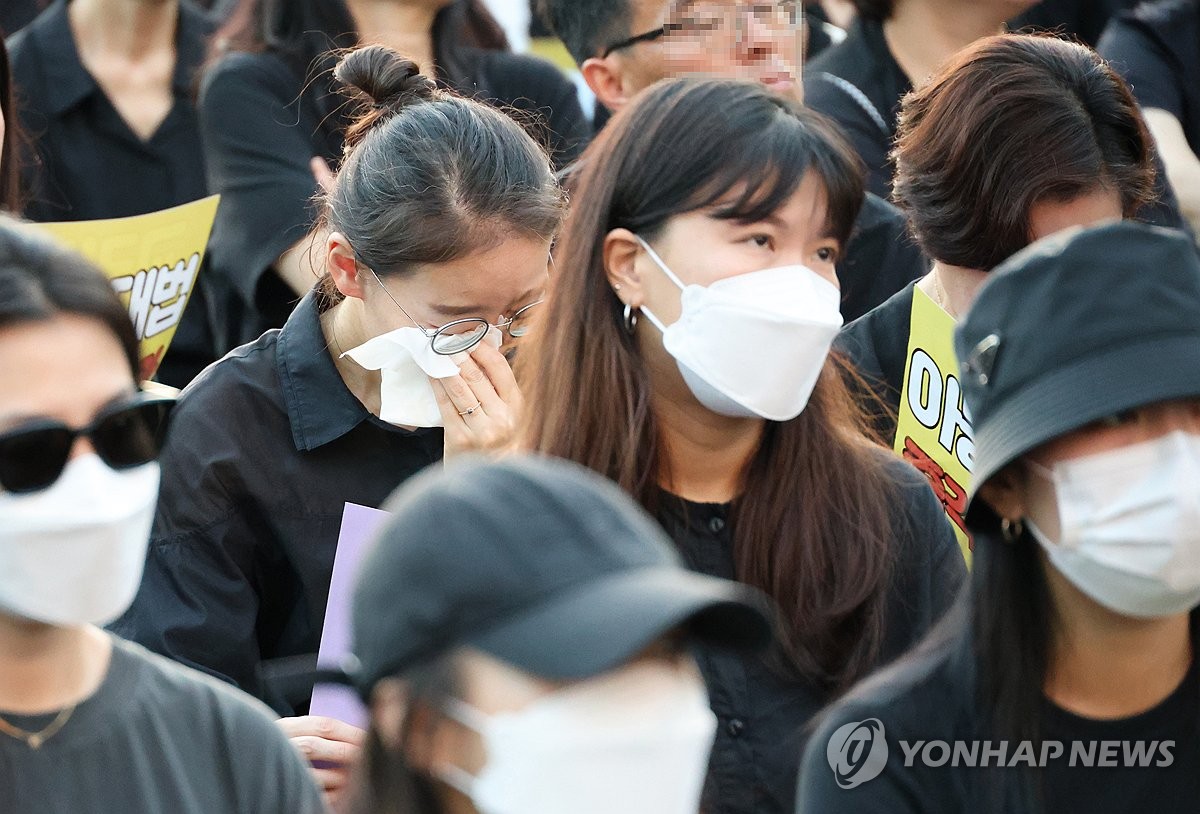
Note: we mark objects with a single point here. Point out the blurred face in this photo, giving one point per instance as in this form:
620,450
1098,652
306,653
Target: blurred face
450,745
494,285
755,40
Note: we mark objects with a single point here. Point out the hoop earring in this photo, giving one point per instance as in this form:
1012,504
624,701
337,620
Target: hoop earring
631,319
1010,531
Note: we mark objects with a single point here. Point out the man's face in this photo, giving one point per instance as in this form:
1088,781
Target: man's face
756,40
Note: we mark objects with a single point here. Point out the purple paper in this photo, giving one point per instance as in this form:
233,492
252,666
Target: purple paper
359,525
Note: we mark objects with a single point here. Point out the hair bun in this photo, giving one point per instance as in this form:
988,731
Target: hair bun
385,78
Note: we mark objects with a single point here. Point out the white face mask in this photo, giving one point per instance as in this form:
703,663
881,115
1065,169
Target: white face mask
73,553
635,742
1130,521
753,344
406,362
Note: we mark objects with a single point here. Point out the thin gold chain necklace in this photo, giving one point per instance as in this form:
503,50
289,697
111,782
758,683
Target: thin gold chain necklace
35,739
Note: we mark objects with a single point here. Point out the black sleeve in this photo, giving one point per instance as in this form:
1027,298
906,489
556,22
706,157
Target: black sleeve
1147,65
258,154
538,88
828,789
881,258
198,603
864,126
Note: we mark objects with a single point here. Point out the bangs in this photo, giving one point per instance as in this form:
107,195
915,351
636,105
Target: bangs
755,177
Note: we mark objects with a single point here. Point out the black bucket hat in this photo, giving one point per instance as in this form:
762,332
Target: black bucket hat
538,562
1076,328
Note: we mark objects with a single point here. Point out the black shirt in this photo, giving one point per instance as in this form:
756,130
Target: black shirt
877,346
859,85
89,164
1084,19
1157,49
922,701
880,259
262,125
265,449
761,713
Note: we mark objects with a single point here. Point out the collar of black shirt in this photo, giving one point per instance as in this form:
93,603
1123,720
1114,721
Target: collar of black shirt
320,407
68,82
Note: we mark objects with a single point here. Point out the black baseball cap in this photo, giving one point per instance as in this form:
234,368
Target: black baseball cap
539,563
1076,328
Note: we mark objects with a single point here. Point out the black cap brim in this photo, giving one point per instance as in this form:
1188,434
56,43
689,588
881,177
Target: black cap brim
1069,398
599,626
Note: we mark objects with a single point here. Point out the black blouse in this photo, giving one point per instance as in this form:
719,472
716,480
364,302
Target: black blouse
762,714
262,124
264,451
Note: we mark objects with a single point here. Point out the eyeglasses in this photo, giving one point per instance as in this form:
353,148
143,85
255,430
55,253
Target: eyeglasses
691,21
461,335
126,435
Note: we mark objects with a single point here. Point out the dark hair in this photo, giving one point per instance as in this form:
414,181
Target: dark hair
875,9
10,172
1011,121
386,782
304,32
40,280
430,177
587,27
680,147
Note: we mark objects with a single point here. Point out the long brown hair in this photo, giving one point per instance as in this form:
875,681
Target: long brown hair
10,172
812,526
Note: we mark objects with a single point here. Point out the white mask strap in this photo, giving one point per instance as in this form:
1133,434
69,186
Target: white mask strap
658,262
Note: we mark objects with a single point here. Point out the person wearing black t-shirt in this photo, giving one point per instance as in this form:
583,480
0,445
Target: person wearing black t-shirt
104,94
893,47
272,125
1157,48
624,46
976,192
1065,679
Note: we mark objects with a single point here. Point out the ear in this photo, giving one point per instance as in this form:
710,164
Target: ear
388,709
621,251
1005,493
604,77
343,266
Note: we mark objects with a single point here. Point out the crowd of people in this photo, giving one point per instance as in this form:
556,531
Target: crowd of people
629,358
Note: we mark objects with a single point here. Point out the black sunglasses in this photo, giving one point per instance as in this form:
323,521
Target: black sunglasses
125,435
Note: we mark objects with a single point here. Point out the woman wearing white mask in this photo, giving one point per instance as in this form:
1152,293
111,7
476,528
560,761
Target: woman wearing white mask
1072,657
520,632
89,723
684,354
439,222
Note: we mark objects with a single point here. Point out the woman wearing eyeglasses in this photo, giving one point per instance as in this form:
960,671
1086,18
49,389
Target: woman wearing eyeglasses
89,723
440,224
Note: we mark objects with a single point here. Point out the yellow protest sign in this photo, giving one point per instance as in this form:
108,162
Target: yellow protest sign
933,432
152,262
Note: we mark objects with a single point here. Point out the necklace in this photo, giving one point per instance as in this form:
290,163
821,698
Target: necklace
940,293
35,739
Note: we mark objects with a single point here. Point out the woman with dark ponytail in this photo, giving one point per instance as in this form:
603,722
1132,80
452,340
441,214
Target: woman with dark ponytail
440,223
272,122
